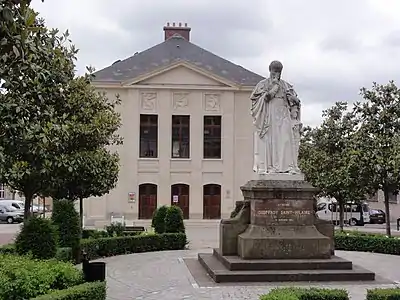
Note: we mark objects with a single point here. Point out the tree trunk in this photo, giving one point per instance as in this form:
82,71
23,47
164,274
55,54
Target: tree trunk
81,211
341,215
27,208
387,211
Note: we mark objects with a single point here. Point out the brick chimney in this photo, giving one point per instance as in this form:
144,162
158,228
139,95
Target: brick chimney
182,30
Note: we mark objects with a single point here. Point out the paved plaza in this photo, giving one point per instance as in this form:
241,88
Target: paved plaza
173,275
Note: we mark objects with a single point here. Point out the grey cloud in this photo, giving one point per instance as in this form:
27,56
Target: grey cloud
341,43
392,39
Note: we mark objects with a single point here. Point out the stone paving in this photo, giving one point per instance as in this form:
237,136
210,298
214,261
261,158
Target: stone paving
164,275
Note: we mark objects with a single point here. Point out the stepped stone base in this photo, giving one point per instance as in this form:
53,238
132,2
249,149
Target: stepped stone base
334,269
274,235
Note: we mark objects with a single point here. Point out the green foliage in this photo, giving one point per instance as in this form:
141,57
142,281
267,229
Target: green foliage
93,234
158,221
31,130
66,218
378,139
103,247
8,249
64,254
305,294
383,294
89,169
38,236
329,159
115,229
363,242
25,278
85,291
96,234
174,220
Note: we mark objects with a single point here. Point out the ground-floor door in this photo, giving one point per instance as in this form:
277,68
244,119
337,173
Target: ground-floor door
180,197
147,200
212,201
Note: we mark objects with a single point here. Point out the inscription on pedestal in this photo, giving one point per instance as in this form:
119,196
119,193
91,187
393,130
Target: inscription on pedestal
282,212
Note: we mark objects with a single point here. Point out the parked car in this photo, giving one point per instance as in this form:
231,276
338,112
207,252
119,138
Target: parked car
11,215
377,216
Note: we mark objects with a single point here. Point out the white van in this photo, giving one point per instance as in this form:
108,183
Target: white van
13,204
354,214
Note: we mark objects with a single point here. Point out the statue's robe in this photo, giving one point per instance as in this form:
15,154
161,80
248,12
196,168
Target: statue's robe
274,141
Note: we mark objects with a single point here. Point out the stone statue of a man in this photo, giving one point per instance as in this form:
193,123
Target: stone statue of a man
275,109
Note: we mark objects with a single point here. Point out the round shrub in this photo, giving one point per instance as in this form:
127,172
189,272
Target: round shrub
67,220
38,236
174,220
158,221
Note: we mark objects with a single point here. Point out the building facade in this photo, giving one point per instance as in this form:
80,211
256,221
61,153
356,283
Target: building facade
187,132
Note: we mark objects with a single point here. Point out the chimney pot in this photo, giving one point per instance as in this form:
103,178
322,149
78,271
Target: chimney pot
183,31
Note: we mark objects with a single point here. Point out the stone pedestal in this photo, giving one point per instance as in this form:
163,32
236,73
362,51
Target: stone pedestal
275,235
282,222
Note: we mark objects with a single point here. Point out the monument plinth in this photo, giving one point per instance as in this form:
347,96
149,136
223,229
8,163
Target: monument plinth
275,234
282,222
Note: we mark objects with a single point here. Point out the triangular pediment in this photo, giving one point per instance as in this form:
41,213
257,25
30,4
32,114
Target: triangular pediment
180,74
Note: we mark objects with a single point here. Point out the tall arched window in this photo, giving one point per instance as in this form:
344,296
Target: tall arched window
211,201
180,197
147,200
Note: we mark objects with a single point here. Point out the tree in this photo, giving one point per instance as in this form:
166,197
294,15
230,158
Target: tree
36,71
86,174
88,168
378,139
328,158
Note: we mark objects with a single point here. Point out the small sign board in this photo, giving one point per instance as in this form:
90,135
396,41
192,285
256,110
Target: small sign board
175,198
131,197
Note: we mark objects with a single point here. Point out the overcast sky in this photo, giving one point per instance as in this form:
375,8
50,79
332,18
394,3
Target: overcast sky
329,48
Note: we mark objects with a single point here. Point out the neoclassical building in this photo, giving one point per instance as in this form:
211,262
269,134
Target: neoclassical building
186,128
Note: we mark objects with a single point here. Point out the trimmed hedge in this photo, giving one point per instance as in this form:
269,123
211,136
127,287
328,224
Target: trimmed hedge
364,242
103,247
22,277
305,294
86,291
97,234
384,294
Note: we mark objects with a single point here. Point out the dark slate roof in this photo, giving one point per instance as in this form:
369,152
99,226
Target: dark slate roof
171,51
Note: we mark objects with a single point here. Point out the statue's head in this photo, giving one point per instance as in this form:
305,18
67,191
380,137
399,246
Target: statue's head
275,69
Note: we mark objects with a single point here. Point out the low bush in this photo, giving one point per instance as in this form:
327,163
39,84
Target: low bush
97,234
67,220
103,247
364,242
39,237
174,220
384,294
305,294
85,291
22,277
8,249
158,220
115,229
93,234
64,254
